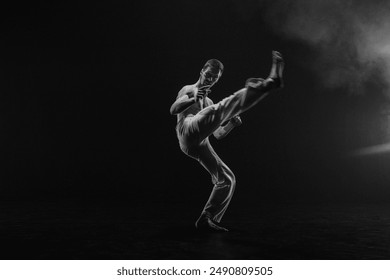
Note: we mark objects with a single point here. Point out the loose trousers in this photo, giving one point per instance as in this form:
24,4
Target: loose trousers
193,135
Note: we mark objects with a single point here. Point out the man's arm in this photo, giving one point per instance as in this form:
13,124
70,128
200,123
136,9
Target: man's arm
184,99
222,131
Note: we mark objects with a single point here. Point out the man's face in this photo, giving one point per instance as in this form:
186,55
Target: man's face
209,76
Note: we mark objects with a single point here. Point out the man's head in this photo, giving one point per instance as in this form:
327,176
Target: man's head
211,72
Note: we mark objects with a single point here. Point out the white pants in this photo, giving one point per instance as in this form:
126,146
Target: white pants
193,136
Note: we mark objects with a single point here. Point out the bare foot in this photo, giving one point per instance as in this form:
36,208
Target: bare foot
277,68
204,223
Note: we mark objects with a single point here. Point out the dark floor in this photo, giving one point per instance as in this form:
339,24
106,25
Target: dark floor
119,230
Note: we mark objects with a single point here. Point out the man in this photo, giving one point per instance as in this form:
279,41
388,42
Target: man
198,118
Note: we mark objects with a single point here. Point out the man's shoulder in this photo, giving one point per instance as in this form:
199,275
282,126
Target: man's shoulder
186,89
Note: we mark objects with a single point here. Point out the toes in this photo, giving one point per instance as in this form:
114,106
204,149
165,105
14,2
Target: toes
208,226
217,228
277,55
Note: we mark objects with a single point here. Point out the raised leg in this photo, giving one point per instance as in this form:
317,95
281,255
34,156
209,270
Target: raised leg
210,118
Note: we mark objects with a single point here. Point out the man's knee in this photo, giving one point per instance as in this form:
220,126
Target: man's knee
232,179
231,183
227,180
222,180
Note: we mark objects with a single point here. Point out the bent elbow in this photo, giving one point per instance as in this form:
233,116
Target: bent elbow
172,111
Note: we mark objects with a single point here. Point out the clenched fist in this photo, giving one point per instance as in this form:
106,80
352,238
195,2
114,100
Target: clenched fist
201,93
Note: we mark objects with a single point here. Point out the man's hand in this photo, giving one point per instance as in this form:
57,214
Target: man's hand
236,121
201,93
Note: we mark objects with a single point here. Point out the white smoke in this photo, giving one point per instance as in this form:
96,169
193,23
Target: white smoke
352,37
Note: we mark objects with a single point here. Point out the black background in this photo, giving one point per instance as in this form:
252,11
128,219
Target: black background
85,92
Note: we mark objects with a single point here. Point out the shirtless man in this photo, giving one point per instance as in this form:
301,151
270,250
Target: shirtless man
198,117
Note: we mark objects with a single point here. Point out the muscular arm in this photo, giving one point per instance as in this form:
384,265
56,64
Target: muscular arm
184,100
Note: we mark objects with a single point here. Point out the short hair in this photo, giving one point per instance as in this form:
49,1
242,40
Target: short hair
214,64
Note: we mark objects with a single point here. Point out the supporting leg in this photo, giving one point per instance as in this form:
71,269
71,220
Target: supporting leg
222,193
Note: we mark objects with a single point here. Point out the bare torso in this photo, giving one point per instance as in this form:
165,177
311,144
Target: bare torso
195,108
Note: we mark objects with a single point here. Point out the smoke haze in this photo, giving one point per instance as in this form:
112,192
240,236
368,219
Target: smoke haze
351,38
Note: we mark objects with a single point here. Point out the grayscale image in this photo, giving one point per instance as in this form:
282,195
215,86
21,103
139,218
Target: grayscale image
195,130
198,118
